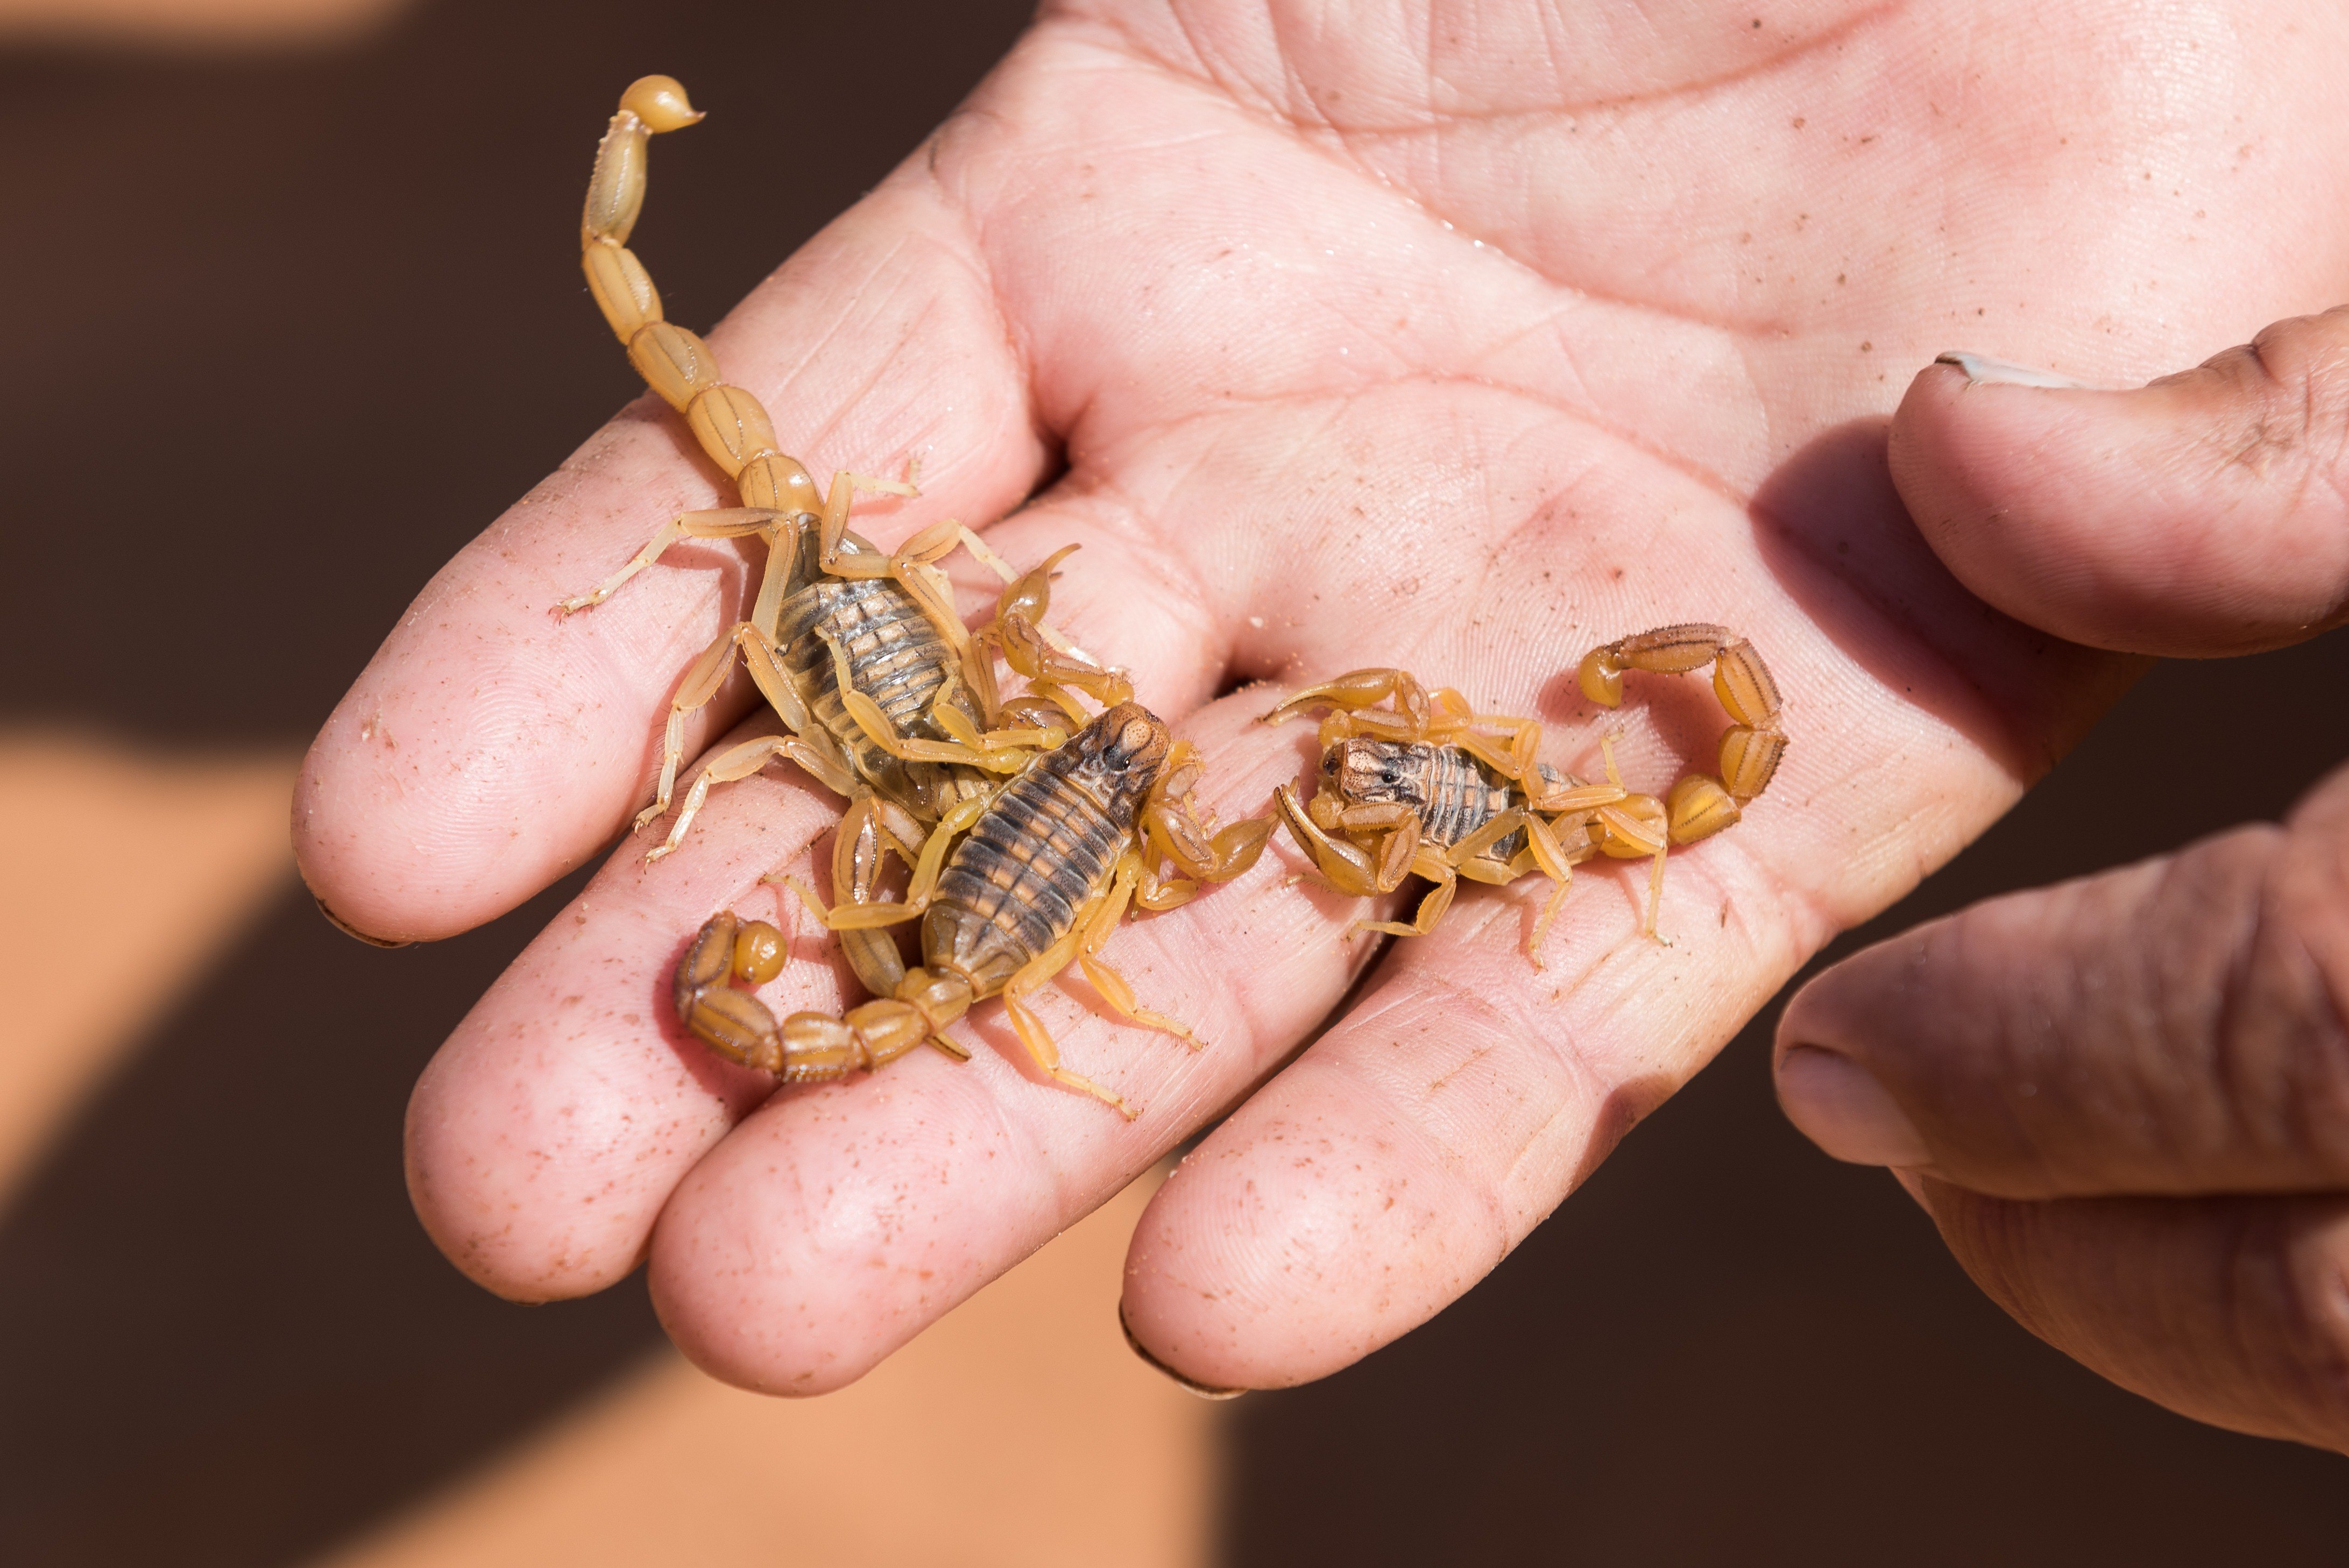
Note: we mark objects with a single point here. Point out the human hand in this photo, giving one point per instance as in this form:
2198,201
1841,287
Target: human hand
2125,1099
1460,342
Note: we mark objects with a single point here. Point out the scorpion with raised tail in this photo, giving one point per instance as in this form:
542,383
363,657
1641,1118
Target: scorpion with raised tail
885,696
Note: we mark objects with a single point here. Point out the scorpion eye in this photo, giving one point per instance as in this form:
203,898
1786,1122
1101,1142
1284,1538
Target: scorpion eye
1131,740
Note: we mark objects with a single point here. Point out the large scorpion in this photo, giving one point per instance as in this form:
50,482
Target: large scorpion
885,697
1010,891
1427,786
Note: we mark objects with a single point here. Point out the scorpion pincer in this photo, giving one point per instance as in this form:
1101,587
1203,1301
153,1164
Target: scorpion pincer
1011,889
885,696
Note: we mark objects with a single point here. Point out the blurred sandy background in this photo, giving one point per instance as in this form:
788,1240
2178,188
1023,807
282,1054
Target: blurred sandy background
252,229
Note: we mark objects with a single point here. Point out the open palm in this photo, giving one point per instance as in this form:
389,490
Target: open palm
1458,336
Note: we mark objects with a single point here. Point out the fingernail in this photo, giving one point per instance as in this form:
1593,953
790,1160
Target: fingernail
1204,1390
1837,1106
348,928
1982,370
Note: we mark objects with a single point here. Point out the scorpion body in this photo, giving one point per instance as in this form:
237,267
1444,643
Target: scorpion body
1446,788
1010,891
1044,850
895,656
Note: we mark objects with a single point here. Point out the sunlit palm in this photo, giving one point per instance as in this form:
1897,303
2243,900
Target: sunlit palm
1459,337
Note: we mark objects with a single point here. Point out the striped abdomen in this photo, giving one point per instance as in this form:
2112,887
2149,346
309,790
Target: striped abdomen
895,656
1450,792
1042,850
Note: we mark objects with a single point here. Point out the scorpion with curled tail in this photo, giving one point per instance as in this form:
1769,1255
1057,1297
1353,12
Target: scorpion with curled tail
1010,891
1426,785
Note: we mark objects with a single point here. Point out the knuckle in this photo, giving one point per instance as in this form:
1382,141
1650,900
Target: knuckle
2293,418
2287,1284
2284,1041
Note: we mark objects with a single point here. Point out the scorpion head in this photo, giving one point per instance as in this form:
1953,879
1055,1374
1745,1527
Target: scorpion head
1361,770
1118,757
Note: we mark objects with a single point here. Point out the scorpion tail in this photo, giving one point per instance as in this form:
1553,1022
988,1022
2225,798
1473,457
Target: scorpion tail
731,424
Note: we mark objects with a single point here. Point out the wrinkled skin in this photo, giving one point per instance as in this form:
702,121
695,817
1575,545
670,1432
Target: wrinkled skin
1460,340
2125,1099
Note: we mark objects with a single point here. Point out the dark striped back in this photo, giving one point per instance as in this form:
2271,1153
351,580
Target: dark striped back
1047,845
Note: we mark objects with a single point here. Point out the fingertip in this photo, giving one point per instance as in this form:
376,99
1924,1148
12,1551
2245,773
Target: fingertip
489,1219
395,842
329,852
1184,1311
1151,1359
1838,1105
2201,515
743,1343
1307,1232
837,1222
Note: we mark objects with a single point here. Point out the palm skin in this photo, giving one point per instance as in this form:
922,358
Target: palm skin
1458,337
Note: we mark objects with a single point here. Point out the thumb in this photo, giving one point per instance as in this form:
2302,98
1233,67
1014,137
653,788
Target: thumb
2202,515
2174,1026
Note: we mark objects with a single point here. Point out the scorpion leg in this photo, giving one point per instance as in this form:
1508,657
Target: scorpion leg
919,891
1429,864
741,762
1471,858
700,683
834,525
728,522
860,848
1095,927
1556,863
1634,828
950,718
1516,760
1037,972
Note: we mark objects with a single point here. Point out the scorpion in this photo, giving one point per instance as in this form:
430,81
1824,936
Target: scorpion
1427,786
885,697
1011,889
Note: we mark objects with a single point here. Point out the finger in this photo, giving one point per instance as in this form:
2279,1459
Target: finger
2205,515
550,1128
1467,1093
1462,1099
2175,1027
490,746
2228,1310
